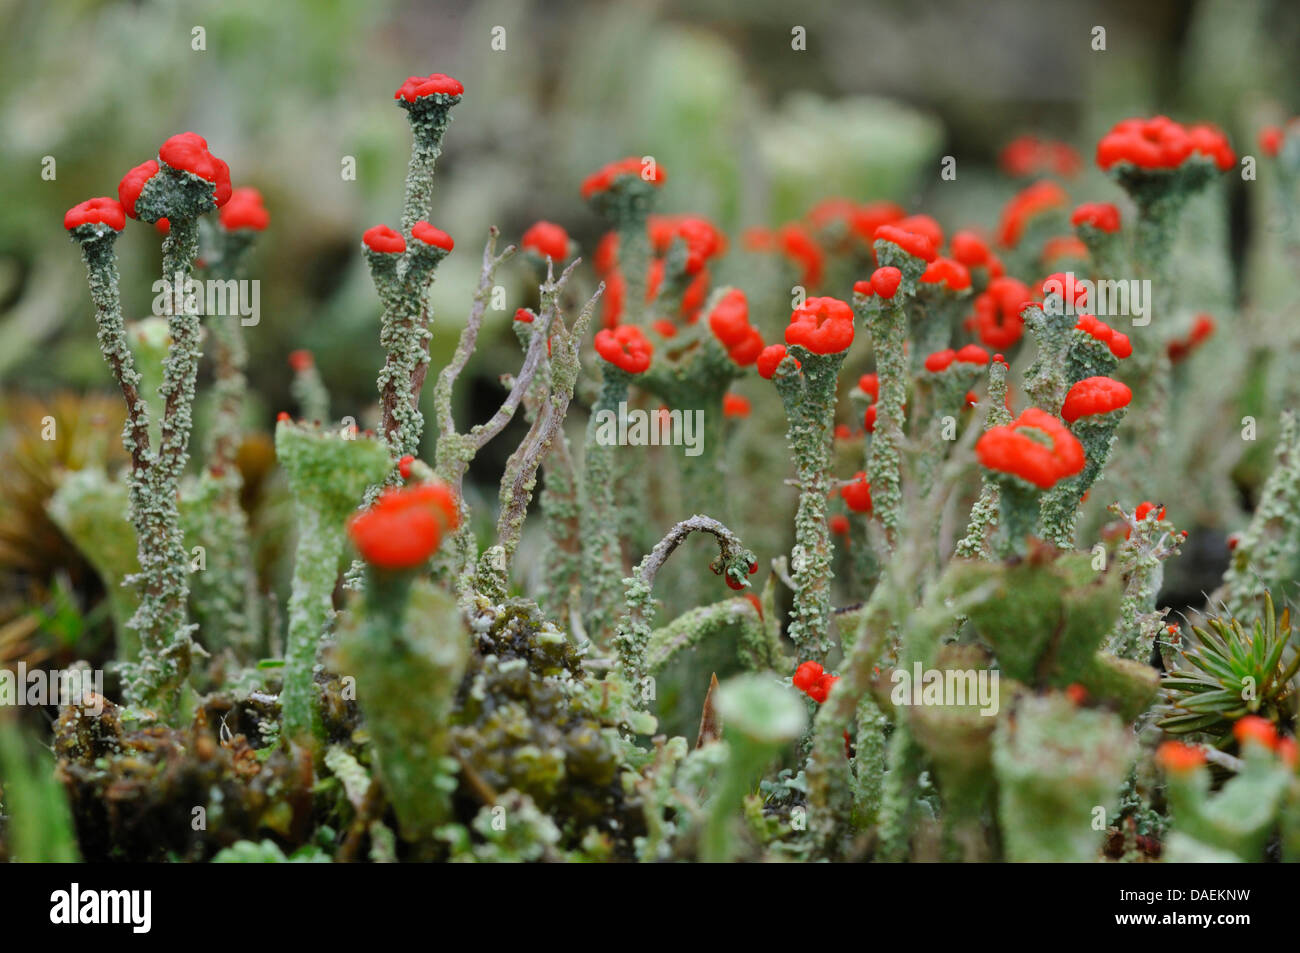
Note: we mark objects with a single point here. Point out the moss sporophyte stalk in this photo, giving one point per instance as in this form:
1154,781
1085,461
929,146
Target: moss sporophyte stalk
968,486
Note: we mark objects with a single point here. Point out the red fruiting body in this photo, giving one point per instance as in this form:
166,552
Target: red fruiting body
1067,287
1270,140
863,287
547,240
971,399
188,152
870,384
734,405
1289,752
748,350
1178,758
384,240
997,312
769,358
914,243
1100,215
869,419
417,86
404,526
822,325
301,360
1118,343
1161,143
245,210
973,354
865,219
424,232
796,244
1076,693
1008,449
839,524
703,239
807,675
1033,201
1064,246
885,281
1095,395
811,679
694,295
605,258
1202,328
948,272
923,225
282,417
664,328
100,211
1146,508
163,226
732,584
625,347
1253,728
940,360
729,320
404,466
605,177
524,316
842,432
857,494
611,303
1028,155
968,248
132,184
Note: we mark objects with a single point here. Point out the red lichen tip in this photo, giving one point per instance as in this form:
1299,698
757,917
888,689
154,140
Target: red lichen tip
404,526
822,325
605,177
969,248
98,211
885,281
1178,758
769,359
1095,395
814,681
524,316
914,243
245,210
940,360
870,384
546,240
1100,215
404,466
1027,204
1159,143
949,272
997,317
1009,449
283,417
416,87
1255,730
735,405
301,360
857,493
1270,140
383,240
132,184
435,237
625,347
188,152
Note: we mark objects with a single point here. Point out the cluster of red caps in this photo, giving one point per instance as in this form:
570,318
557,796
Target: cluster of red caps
1029,155
1160,143
626,347
814,681
186,152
